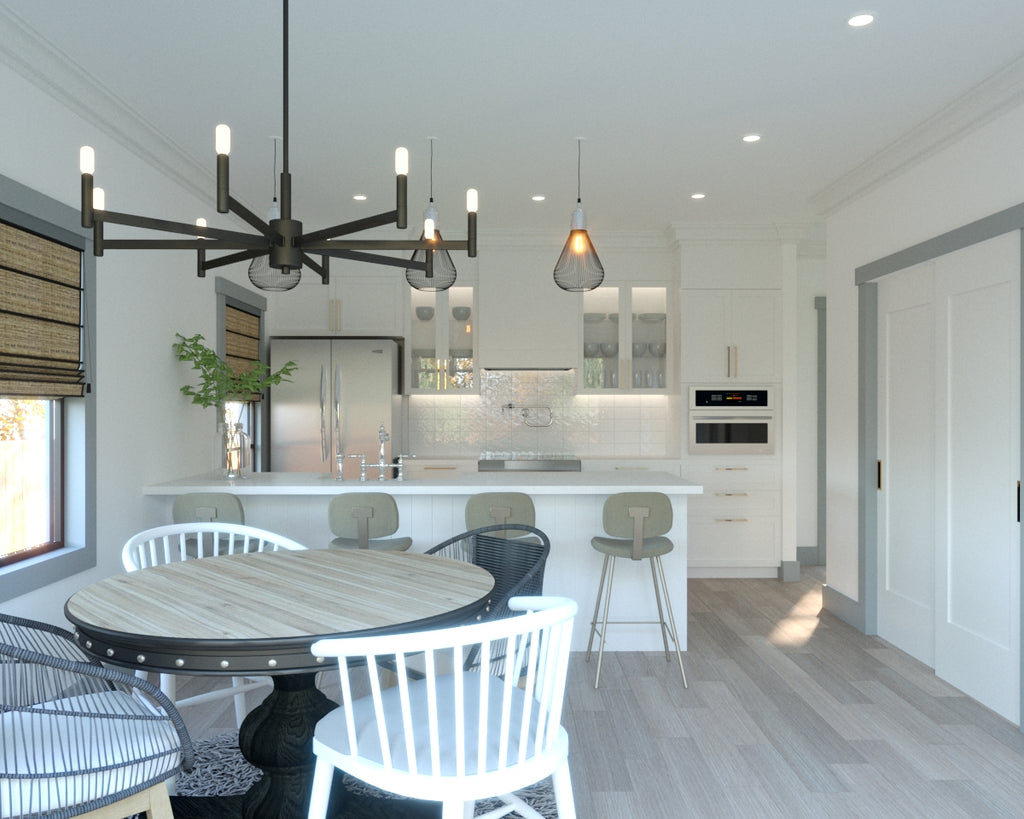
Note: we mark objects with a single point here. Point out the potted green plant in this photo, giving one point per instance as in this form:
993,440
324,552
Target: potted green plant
220,384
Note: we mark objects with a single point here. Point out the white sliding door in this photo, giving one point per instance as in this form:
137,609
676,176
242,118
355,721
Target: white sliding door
906,446
977,468
949,425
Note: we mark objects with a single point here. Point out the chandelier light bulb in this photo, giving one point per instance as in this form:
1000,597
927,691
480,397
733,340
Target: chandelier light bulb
472,200
428,229
87,159
222,139
201,222
99,199
402,161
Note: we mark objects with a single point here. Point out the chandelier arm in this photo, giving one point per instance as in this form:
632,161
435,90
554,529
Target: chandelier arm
247,215
130,220
373,258
379,220
320,269
231,258
383,244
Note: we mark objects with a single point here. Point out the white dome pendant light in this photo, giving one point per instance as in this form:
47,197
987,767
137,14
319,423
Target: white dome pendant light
578,268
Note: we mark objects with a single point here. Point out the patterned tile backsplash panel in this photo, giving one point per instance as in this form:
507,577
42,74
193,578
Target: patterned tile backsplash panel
529,413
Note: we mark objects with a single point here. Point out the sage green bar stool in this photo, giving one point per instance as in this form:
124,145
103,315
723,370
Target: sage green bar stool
636,523
497,508
207,507
365,520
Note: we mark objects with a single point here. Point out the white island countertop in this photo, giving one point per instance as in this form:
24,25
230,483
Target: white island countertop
540,483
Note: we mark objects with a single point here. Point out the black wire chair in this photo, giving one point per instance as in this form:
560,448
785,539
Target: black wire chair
514,553
76,736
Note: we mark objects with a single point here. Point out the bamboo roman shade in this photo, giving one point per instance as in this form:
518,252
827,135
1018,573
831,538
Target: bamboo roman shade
40,317
241,338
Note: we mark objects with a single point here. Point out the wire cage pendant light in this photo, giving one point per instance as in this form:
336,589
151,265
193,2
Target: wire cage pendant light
578,268
280,243
437,272
261,274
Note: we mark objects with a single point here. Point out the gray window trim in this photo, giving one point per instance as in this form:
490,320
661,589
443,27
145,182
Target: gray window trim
34,211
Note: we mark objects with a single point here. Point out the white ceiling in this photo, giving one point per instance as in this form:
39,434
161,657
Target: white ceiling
662,92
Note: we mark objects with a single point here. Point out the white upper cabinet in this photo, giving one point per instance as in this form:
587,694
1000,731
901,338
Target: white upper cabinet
351,305
441,341
527,321
627,340
731,335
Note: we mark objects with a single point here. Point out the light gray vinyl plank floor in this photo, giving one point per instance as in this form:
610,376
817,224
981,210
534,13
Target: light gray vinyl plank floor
790,713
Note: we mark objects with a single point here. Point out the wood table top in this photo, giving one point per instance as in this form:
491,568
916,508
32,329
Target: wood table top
260,612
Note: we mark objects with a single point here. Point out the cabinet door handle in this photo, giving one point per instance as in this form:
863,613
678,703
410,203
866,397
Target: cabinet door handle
735,361
728,362
432,468
731,520
731,494
732,468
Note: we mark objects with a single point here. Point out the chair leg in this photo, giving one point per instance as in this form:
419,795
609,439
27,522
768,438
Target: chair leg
323,778
240,709
604,621
657,599
671,620
169,685
597,605
562,786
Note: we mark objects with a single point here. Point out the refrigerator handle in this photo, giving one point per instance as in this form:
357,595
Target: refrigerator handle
338,448
323,412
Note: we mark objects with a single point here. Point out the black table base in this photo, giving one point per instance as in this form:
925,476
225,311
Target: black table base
277,737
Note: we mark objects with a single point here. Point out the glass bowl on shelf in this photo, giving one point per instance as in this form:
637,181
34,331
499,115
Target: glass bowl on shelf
609,349
657,349
424,313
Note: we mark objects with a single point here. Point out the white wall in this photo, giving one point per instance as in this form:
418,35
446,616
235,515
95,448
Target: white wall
974,177
146,430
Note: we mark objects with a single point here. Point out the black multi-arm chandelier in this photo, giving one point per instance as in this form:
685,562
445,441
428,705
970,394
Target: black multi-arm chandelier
282,240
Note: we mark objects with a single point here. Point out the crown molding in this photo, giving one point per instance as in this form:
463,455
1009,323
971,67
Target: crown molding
51,70
985,102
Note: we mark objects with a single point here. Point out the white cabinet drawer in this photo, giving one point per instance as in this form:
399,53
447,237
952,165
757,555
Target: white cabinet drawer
438,468
727,473
734,502
727,541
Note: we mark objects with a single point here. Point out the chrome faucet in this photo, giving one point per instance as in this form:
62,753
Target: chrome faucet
384,438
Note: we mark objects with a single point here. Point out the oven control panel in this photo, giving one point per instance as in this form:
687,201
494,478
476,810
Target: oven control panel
721,398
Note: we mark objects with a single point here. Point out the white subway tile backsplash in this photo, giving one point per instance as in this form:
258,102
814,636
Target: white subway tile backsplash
591,426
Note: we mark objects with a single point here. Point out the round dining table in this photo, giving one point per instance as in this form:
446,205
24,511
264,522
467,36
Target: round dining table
258,614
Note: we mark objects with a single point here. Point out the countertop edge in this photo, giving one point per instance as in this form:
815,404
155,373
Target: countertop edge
540,483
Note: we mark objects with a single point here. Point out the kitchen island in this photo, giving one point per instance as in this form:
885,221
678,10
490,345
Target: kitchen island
568,507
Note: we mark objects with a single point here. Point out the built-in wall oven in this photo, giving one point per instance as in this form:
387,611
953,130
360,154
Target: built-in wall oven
731,421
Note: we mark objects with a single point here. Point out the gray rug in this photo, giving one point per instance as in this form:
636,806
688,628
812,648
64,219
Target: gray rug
220,770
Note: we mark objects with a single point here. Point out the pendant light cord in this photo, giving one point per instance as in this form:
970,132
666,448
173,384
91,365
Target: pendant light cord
579,167
431,169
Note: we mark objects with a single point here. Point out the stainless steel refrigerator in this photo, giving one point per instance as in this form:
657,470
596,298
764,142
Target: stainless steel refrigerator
335,404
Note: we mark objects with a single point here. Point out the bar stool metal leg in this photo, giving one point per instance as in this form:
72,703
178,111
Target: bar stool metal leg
671,624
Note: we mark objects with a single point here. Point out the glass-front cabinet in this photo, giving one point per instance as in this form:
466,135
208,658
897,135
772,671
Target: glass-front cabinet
626,339
441,341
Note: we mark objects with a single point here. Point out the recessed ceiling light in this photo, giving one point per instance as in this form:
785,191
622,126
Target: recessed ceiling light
752,138
698,195
864,18
360,197
538,197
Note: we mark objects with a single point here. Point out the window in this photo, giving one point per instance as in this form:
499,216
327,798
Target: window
31,486
240,342
47,413
40,361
